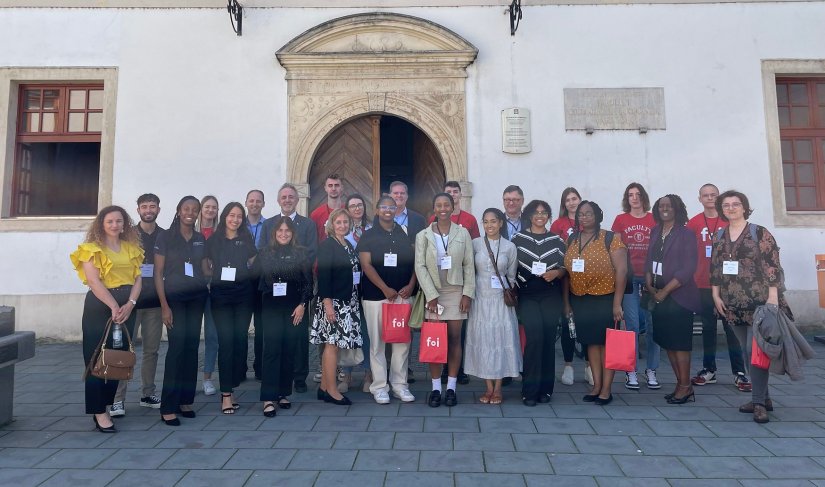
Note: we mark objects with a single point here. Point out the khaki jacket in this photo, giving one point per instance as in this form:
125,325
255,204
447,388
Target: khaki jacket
461,273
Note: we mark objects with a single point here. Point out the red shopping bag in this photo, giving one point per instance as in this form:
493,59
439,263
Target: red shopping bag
433,345
522,338
758,357
395,322
620,349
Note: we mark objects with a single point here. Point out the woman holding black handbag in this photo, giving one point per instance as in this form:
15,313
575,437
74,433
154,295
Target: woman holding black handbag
109,263
492,350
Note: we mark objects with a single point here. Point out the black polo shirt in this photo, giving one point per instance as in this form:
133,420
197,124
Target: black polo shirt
177,251
148,295
378,242
235,253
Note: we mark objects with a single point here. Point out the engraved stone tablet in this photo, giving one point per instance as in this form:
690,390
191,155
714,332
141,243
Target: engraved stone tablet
614,108
515,131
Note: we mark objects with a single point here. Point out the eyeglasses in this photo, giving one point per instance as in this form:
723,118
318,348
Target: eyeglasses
731,206
387,208
356,206
586,215
513,200
541,213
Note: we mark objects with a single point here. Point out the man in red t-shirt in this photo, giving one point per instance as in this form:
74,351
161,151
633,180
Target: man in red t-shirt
335,199
704,226
460,216
634,226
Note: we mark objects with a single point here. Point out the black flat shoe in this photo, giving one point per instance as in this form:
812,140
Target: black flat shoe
434,399
590,397
191,414
604,402
450,398
544,398
530,403
344,401
170,422
300,386
463,378
321,395
269,410
284,405
108,429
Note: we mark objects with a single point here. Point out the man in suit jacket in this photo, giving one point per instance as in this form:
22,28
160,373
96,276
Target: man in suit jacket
412,221
308,238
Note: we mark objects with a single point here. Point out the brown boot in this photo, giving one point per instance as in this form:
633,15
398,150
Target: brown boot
748,407
760,415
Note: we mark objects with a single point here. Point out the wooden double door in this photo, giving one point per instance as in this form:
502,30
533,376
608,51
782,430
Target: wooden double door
371,151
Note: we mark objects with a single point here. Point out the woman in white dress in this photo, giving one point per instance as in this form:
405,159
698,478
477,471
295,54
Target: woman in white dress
492,350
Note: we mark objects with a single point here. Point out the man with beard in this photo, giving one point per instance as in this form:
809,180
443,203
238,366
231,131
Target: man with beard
148,309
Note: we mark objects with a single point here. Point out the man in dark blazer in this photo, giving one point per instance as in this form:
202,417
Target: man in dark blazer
412,221
308,238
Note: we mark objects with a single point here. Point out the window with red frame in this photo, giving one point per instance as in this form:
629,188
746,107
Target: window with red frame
801,104
57,159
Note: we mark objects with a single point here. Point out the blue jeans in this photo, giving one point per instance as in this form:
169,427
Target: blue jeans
210,339
633,314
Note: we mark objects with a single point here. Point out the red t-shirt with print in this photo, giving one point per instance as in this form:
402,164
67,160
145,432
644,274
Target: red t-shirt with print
320,217
635,234
466,220
704,228
563,227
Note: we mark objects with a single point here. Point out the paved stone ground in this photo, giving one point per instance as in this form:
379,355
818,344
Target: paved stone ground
637,440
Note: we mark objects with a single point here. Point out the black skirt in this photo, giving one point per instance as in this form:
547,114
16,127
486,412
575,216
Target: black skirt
593,315
673,326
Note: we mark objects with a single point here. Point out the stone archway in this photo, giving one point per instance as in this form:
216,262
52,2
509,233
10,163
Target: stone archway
377,63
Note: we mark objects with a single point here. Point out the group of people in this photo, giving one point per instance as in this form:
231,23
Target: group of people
324,280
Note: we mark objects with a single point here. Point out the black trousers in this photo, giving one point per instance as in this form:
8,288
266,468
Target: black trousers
540,318
259,336
301,367
180,375
101,393
232,324
708,315
279,338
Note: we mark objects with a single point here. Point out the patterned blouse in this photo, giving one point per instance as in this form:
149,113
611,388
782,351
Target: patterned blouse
759,269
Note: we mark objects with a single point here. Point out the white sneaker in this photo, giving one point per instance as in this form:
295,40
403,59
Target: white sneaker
117,409
381,397
567,376
650,376
209,387
588,374
631,381
316,377
404,394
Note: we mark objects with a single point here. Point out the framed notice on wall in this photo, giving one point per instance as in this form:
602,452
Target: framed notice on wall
515,131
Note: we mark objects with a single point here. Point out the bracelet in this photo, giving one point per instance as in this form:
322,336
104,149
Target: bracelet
134,303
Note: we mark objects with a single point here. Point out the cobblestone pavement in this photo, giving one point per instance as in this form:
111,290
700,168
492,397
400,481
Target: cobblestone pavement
637,440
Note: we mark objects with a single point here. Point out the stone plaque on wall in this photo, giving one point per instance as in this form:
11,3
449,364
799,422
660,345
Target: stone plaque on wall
614,108
515,131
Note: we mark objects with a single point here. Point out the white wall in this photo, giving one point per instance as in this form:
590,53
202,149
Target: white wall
200,110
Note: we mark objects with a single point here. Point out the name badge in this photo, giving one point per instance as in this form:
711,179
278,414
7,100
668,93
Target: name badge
578,265
708,251
539,268
356,278
495,283
228,273
147,270
657,268
730,267
188,270
390,260
446,262
279,289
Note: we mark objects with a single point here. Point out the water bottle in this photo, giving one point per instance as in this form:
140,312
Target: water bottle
117,336
572,326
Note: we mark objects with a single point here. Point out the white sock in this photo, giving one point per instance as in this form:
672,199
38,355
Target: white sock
451,382
437,384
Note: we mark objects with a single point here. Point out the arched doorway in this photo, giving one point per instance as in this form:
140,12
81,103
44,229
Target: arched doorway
371,151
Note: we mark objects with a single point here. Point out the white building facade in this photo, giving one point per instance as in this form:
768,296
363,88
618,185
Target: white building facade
178,104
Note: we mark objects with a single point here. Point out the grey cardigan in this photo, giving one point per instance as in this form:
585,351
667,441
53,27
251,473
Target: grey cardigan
778,337
461,273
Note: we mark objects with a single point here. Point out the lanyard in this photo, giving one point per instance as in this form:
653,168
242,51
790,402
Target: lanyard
732,252
498,249
443,243
711,233
406,219
255,234
516,228
581,248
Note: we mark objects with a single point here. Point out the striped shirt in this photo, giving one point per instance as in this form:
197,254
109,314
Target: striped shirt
547,248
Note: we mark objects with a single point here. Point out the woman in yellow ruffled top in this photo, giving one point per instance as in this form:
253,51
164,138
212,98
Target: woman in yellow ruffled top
108,261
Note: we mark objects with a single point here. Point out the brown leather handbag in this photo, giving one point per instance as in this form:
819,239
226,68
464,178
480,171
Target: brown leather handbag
109,364
510,293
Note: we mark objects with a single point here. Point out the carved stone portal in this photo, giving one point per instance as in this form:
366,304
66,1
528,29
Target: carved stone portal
376,63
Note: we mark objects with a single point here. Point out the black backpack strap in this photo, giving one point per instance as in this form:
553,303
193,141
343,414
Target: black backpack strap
608,240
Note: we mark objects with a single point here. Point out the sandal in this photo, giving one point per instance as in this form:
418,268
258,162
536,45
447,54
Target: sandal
269,409
485,398
496,398
230,409
284,403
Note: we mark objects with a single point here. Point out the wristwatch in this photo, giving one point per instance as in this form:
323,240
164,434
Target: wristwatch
133,302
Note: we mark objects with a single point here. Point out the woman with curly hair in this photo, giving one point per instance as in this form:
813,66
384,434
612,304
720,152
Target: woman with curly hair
109,263
671,291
